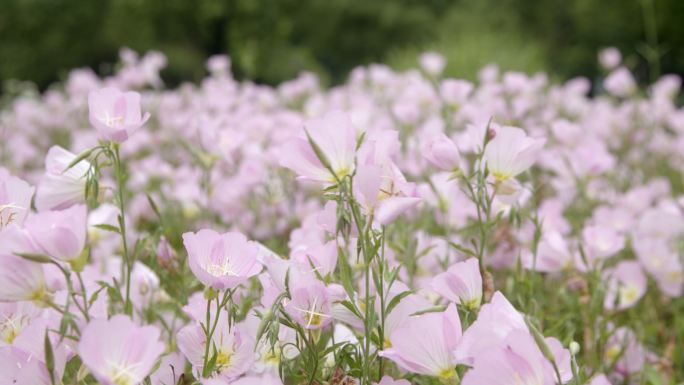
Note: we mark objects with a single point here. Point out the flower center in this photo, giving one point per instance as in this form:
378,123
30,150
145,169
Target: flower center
220,269
223,360
111,121
7,215
121,375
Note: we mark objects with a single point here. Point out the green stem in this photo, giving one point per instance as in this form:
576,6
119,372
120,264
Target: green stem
120,186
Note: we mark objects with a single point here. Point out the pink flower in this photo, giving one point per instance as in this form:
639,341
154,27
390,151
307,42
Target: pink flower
117,351
610,58
424,344
620,82
495,321
60,234
115,114
322,258
22,280
517,360
15,199
335,136
221,261
626,285
60,188
442,153
553,254
381,195
624,351
432,63
172,366
602,242
511,152
311,304
234,349
462,283
20,367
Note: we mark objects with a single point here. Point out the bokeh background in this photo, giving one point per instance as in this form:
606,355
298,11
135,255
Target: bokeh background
270,41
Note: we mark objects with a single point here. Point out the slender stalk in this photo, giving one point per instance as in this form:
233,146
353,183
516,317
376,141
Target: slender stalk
120,186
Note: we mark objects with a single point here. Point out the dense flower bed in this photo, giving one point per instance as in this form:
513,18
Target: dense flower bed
400,228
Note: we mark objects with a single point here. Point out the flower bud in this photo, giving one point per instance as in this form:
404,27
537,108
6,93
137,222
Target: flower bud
442,153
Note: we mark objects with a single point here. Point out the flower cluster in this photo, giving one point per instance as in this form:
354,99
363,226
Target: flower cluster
401,228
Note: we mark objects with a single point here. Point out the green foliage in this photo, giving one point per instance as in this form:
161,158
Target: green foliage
271,41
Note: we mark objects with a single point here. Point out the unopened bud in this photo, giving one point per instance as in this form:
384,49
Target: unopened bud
574,348
165,254
491,134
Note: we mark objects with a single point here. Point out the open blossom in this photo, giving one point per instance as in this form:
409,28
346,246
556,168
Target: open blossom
15,317
602,242
625,352
21,367
382,196
119,352
626,285
61,187
60,234
511,152
425,344
22,280
517,361
553,254
461,283
495,321
319,258
221,261
15,199
335,136
115,114
311,304
234,348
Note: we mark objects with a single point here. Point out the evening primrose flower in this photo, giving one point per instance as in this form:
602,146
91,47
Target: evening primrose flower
221,261
442,153
517,360
60,234
234,348
462,283
310,305
119,352
424,344
14,318
115,114
22,280
334,138
510,153
15,199
61,186
626,285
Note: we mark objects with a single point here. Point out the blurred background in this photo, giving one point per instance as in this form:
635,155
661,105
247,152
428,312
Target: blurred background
270,41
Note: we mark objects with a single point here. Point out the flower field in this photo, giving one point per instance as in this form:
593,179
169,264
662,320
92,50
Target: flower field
400,228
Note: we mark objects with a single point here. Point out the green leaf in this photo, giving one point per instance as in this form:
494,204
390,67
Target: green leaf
38,258
154,206
49,358
350,306
463,249
107,227
395,301
211,365
79,158
434,309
